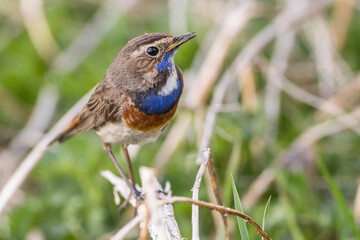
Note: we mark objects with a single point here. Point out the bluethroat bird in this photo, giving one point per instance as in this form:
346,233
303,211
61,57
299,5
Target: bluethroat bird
137,97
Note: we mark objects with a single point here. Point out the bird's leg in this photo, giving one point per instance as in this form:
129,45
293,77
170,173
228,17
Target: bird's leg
130,170
129,166
136,193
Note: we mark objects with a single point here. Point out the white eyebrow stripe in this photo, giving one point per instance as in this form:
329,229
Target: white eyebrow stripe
141,50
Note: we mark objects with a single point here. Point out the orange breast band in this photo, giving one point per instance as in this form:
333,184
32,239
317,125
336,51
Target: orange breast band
137,120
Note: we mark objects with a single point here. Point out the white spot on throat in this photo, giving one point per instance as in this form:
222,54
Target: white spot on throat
171,83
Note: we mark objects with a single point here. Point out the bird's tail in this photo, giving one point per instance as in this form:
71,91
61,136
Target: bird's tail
67,133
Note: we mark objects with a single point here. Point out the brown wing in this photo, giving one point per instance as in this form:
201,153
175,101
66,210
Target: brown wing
103,105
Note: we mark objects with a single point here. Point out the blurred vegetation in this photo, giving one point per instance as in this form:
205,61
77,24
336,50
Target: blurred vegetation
66,198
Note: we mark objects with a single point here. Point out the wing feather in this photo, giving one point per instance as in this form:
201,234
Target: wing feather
104,105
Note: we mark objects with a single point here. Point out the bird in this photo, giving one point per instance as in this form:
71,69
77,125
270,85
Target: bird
136,99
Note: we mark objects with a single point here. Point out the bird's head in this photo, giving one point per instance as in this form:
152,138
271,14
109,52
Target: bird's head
146,61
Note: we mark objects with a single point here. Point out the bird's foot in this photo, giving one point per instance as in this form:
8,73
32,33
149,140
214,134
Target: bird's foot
162,192
139,196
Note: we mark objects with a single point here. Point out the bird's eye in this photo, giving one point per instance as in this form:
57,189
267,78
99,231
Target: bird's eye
152,51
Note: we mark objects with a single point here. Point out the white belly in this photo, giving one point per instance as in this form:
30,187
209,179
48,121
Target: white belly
120,133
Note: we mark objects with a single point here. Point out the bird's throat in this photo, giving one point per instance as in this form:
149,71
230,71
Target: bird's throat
162,100
167,62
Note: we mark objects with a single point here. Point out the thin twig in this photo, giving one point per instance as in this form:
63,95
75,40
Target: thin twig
125,230
219,226
195,195
212,176
214,179
221,209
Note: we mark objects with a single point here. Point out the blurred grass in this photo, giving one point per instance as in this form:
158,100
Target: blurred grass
265,214
65,196
340,200
241,222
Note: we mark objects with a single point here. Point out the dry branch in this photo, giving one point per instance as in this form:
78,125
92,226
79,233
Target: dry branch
195,194
157,223
124,231
159,204
212,180
162,223
221,209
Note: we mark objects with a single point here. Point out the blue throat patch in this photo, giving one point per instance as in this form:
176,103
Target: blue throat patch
152,103
165,62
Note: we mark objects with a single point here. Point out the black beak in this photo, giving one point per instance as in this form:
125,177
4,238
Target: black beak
181,39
